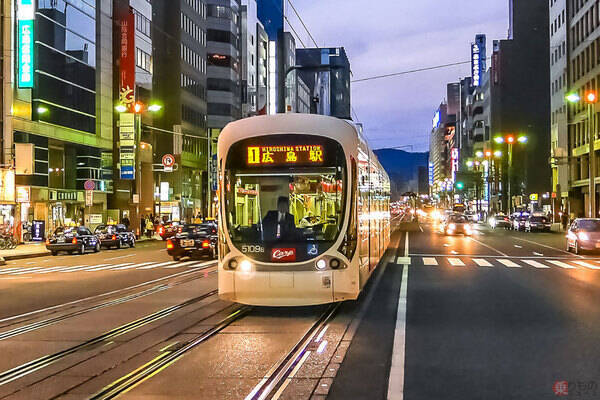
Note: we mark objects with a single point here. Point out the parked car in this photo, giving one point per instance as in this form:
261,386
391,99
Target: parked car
584,234
72,239
537,223
114,235
168,229
194,240
456,224
518,220
500,220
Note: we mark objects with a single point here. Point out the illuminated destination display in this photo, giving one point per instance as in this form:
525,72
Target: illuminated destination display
25,16
285,155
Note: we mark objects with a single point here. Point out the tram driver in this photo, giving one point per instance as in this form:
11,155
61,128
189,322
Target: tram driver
279,225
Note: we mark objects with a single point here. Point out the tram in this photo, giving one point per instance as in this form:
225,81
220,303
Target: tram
303,208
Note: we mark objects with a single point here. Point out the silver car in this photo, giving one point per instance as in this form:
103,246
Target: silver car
584,234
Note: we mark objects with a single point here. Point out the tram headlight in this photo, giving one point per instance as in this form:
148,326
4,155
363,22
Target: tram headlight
321,264
233,264
334,263
245,266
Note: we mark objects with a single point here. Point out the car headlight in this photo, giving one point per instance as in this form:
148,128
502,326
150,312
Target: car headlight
452,227
583,236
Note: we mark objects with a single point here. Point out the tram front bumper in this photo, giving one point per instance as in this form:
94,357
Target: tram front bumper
286,288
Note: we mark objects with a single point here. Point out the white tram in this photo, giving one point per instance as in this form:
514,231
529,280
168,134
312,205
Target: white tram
303,209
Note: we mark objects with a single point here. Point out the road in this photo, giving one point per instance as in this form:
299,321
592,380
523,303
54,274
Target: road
499,315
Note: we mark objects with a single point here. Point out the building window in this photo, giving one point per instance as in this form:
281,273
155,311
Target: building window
143,60
142,24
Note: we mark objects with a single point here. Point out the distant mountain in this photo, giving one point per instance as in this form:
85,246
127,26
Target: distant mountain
403,169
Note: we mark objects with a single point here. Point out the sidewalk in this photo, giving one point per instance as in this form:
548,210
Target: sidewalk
31,250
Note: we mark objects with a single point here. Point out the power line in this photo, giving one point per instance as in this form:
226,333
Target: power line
296,33
303,24
411,71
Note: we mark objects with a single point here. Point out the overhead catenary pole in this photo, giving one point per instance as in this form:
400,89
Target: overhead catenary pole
592,162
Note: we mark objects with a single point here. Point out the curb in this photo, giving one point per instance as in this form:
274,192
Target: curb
24,256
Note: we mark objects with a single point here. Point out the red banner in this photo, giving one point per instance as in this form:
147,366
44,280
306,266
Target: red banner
127,58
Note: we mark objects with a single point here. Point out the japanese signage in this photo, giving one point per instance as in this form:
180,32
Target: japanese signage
89,198
455,154
7,185
25,17
285,155
95,218
127,146
431,171
126,54
478,67
23,194
38,230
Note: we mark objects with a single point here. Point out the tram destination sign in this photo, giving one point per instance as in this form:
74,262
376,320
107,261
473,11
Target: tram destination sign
282,155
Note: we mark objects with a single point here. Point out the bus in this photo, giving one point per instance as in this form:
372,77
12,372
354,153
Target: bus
303,210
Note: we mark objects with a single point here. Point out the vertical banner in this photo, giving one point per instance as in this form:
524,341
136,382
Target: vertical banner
25,37
126,22
127,145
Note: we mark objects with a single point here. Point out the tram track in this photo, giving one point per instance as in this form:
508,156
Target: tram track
48,360
277,379
34,315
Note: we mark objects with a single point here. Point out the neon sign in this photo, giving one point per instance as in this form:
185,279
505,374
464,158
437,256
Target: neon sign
285,155
25,17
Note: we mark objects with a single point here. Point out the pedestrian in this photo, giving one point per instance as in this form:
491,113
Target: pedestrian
125,221
149,228
564,219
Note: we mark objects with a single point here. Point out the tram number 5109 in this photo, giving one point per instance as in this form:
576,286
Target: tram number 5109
252,249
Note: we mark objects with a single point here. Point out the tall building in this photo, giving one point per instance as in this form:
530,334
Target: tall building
559,137
61,124
330,86
179,37
520,100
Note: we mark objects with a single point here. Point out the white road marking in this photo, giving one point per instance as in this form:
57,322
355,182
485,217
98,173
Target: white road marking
158,265
98,267
401,260
454,252
116,258
429,261
518,247
509,263
543,245
538,254
489,247
74,269
133,265
535,264
456,262
446,245
183,264
29,271
587,265
561,264
396,379
482,263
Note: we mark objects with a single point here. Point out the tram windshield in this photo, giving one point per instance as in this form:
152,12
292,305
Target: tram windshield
285,211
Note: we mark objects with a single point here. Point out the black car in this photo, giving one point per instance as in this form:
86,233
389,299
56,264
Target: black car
72,240
114,235
537,223
194,240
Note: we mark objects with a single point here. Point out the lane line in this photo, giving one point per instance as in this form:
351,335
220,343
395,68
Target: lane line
396,380
116,258
561,264
134,266
158,265
456,262
548,247
489,247
587,265
429,261
509,263
482,262
535,264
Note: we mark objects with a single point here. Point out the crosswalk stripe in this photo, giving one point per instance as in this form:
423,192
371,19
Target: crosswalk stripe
535,264
28,271
121,266
482,263
158,265
429,261
133,266
53,269
75,268
97,267
587,265
509,263
561,264
179,265
11,270
456,262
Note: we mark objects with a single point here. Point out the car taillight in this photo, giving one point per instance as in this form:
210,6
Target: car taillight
74,241
47,241
161,230
170,244
205,244
114,237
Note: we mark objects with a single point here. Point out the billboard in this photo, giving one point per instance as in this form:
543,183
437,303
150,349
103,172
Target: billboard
25,38
478,56
125,19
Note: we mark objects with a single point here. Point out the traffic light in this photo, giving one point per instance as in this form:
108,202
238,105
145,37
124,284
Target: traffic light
460,185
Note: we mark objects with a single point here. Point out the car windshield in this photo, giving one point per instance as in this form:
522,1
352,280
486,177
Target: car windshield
538,219
105,229
460,219
300,208
589,225
63,231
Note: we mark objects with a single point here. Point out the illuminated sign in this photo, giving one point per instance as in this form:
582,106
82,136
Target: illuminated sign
23,194
436,119
285,155
455,154
7,185
478,59
25,17
431,174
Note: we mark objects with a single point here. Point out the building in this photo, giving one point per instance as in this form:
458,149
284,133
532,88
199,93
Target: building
60,131
438,155
520,101
179,37
327,72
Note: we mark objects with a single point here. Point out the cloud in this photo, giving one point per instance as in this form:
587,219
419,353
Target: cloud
387,36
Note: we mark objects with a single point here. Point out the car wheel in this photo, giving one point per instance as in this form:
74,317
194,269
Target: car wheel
568,247
176,258
54,253
82,249
97,248
576,249
119,244
132,243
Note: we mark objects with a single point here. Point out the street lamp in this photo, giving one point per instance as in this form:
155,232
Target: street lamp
510,140
591,98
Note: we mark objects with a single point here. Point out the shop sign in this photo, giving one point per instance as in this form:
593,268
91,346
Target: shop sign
25,35
164,191
126,51
23,194
175,214
166,208
136,199
95,218
126,146
7,186
89,198
38,230
533,197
